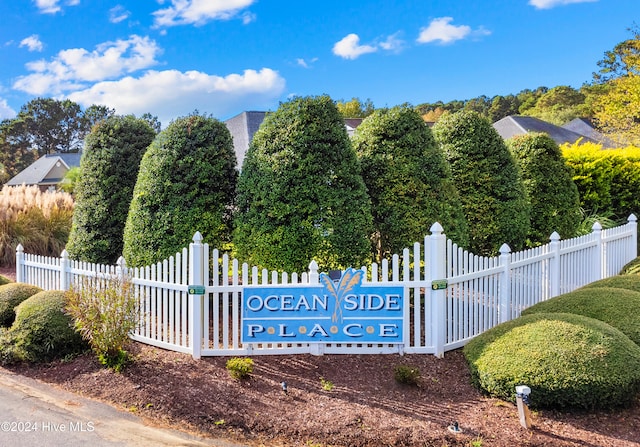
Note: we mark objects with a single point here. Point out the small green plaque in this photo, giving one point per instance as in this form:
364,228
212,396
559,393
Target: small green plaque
196,290
439,284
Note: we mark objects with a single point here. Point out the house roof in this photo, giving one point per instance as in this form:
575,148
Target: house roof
36,173
513,125
244,125
242,128
584,126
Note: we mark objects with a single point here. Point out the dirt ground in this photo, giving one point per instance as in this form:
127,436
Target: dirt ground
332,400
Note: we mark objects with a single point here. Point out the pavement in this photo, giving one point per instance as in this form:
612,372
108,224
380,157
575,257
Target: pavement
36,414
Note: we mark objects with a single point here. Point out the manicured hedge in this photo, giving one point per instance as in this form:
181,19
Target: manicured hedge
568,361
629,282
614,306
608,179
10,296
42,330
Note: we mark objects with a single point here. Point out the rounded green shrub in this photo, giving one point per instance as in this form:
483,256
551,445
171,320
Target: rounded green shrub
629,282
186,183
488,181
548,182
568,361
4,280
10,296
615,306
408,180
42,330
109,169
632,268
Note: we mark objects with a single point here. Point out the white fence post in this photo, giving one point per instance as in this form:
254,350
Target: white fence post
19,262
504,298
64,264
196,277
633,223
554,265
599,263
437,265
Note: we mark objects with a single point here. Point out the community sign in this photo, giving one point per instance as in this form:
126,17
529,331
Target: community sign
346,311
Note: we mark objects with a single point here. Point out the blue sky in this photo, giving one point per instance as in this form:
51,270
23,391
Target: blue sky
221,57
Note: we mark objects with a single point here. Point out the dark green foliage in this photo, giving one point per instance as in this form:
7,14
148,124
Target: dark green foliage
300,194
617,307
10,296
548,183
109,167
408,180
42,330
488,181
406,375
240,367
186,184
568,361
629,282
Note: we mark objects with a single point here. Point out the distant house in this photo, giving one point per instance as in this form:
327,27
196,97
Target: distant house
242,128
584,126
513,125
244,125
46,172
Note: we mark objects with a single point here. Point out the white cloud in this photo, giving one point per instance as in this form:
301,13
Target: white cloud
71,68
548,4
32,43
199,12
53,6
393,43
349,47
5,110
306,63
441,30
118,13
171,93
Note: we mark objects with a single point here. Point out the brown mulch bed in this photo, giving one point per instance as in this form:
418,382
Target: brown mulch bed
366,406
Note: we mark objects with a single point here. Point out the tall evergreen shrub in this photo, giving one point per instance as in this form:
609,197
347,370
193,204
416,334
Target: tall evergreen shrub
408,180
300,194
548,182
488,180
109,169
186,183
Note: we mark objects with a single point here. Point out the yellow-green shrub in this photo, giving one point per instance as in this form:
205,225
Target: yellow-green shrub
608,179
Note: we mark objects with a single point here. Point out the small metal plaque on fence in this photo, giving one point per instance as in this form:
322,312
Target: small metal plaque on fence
439,284
196,290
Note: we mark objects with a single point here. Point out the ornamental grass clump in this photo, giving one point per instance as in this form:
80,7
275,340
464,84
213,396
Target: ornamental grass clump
568,361
40,221
105,312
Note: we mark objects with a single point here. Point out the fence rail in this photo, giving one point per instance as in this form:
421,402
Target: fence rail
480,292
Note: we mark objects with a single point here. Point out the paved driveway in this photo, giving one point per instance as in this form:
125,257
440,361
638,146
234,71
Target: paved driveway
35,414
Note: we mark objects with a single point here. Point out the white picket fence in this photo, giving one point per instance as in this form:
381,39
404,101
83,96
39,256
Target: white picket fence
481,292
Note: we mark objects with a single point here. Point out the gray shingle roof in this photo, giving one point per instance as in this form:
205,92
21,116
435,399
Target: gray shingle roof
585,127
242,128
36,173
513,125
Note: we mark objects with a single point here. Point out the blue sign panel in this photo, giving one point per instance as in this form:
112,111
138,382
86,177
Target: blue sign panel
330,312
